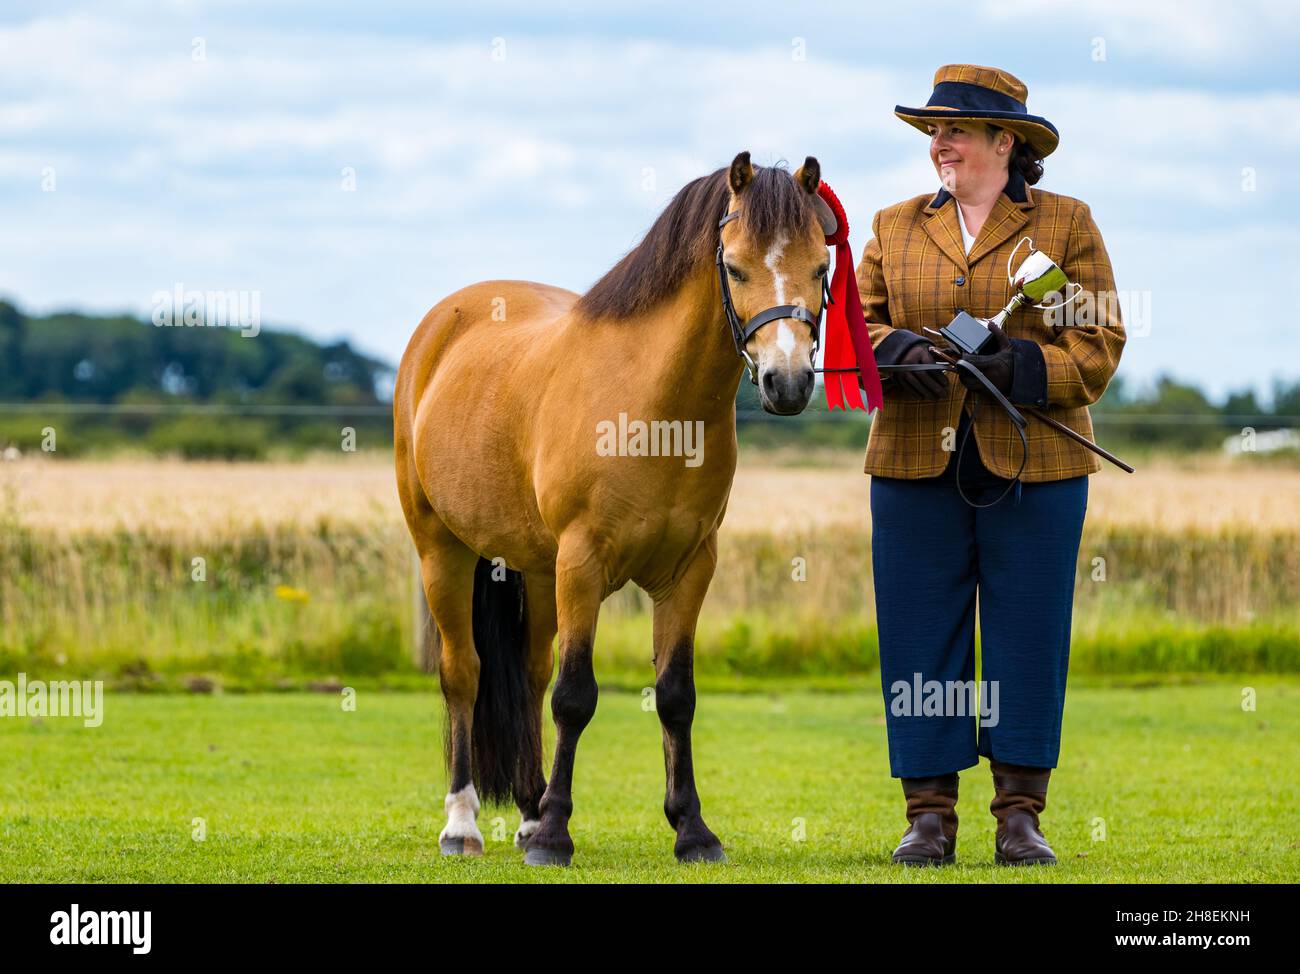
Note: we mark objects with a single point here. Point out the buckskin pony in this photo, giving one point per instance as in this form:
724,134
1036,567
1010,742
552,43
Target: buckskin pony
524,524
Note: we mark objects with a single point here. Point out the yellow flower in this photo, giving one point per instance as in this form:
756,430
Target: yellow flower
290,594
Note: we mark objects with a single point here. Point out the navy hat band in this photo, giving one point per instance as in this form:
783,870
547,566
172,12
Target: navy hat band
968,97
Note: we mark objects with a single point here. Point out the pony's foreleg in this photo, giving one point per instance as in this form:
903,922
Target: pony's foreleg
674,637
540,593
448,573
579,588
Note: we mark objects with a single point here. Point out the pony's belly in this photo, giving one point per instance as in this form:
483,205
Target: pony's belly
650,545
519,550
499,537
492,516
481,493
643,518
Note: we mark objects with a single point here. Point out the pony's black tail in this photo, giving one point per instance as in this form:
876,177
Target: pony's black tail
506,747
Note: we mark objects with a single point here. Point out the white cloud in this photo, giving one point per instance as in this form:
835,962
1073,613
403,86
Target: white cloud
1181,30
228,170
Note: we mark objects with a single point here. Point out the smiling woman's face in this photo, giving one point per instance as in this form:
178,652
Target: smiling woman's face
969,162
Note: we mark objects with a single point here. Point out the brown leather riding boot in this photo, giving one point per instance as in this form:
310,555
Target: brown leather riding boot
1020,795
931,836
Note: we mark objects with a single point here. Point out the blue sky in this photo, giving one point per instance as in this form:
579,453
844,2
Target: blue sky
538,141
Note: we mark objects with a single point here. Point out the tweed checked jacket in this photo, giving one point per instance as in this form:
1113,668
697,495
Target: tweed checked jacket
915,273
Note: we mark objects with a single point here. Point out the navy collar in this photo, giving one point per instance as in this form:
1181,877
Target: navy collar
1016,190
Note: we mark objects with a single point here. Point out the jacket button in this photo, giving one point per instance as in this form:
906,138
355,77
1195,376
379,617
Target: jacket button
960,280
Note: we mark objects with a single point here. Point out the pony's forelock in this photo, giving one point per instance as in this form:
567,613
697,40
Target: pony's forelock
685,236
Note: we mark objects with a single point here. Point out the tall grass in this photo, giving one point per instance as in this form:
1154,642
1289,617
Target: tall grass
309,575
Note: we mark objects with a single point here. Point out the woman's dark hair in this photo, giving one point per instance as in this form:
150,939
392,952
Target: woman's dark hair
1024,159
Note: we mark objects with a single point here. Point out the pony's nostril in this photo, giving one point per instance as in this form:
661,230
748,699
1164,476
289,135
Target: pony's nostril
769,385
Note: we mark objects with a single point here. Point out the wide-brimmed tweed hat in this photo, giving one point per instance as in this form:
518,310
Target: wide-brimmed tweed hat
970,91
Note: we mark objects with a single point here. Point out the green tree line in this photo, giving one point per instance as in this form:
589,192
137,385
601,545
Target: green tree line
108,381
105,382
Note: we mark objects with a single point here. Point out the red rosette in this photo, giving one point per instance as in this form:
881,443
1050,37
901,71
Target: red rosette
848,345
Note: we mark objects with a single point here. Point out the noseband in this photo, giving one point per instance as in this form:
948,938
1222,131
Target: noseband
741,334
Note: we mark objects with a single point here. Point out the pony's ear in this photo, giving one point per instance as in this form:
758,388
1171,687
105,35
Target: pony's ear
809,175
825,216
742,173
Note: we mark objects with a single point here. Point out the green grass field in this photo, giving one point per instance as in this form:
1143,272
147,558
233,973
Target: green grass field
1186,785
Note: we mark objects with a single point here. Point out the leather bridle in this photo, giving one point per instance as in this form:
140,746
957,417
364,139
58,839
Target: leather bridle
742,333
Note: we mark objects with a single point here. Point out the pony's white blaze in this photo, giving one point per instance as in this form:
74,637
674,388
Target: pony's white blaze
784,336
773,255
462,808
785,339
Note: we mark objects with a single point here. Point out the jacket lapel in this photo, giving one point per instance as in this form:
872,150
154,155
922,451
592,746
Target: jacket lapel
944,231
1006,218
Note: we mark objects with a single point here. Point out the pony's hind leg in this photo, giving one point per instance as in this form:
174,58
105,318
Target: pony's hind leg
674,638
540,594
579,588
447,567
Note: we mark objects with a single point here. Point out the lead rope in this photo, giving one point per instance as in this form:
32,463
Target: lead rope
1017,420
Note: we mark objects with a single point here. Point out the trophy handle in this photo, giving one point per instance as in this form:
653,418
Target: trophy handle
1010,278
1078,289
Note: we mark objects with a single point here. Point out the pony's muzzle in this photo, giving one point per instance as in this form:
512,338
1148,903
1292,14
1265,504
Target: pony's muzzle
785,391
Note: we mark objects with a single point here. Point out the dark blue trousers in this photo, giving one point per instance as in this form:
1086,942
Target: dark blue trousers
933,556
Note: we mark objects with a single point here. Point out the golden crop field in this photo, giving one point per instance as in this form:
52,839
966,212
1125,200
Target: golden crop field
141,567
160,496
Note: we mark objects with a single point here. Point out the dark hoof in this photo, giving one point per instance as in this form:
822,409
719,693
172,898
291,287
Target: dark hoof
455,846
702,853
535,856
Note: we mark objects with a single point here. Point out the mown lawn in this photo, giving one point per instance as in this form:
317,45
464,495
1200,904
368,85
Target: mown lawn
1158,783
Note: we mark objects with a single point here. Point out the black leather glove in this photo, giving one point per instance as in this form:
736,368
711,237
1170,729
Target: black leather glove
924,385
998,368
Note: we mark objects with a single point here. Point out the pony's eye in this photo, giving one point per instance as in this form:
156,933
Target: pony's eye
821,272
735,274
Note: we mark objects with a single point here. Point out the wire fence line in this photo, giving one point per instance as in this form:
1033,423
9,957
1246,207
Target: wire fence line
198,409
1099,417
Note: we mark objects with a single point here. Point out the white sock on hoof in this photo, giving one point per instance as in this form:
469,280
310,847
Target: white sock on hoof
462,808
526,828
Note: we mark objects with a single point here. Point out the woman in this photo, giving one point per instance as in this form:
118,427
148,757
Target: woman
948,527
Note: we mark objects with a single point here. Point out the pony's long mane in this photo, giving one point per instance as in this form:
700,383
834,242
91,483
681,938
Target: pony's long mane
686,235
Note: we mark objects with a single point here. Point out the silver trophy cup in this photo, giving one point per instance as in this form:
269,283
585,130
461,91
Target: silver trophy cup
1037,277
